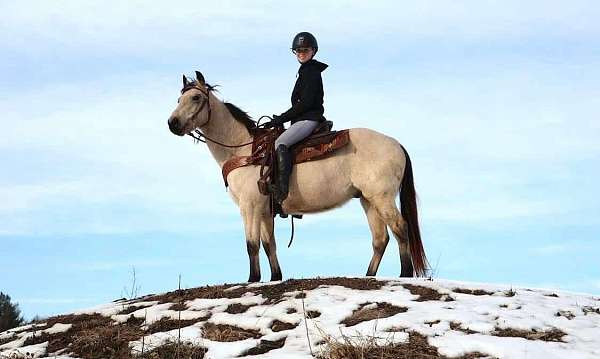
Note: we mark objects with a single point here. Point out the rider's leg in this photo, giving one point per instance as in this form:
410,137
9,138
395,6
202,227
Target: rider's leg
296,133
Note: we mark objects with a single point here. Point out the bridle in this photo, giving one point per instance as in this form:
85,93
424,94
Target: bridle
197,134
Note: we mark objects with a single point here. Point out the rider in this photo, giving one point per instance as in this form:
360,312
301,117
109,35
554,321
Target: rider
306,112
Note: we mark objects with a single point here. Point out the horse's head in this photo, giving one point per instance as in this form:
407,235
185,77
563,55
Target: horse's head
193,109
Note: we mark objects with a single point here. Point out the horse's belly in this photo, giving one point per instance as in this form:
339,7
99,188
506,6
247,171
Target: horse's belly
320,185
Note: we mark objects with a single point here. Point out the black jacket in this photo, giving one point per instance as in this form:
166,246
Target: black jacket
307,96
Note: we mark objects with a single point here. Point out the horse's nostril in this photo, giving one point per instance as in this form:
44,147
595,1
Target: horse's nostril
173,122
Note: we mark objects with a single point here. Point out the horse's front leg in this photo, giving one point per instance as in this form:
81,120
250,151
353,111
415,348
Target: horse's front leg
252,213
267,238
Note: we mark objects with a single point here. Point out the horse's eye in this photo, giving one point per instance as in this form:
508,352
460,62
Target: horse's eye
196,98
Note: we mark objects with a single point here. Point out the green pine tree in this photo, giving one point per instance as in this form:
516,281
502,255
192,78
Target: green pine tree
10,314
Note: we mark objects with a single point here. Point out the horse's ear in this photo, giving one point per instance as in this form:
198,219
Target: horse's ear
200,77
185,81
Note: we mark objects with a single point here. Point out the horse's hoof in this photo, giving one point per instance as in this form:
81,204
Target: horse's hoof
276,277
254,279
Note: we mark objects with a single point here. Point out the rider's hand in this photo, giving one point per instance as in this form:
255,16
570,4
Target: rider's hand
277,120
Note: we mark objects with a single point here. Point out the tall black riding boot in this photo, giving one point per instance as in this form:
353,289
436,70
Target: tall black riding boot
284,168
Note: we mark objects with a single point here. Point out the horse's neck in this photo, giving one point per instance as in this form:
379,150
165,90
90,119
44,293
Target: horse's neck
223,127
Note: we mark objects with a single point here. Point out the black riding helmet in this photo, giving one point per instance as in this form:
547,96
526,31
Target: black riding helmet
305,39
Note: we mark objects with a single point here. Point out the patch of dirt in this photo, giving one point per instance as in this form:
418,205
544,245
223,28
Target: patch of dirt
175,350
426,293
366,347
458,326
291,311
272,293
179,307
166,324
363,314
510,293
278,326
265,346
312,314
228,333
237,308
554,295
472,291
551,335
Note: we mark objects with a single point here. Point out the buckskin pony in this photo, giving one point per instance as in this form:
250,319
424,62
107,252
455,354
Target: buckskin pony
372,167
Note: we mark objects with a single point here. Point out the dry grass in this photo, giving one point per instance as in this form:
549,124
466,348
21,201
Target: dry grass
179,307
228,333
265,346
105,342
426,293
551,335
312,314
472,291
369,347
166,324
458,326
380,310
278,326
237,308
174,350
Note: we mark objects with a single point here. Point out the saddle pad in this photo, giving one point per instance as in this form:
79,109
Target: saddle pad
313,148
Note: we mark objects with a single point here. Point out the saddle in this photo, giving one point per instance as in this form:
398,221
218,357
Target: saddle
319,144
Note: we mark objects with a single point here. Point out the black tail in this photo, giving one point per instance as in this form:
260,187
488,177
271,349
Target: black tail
408,207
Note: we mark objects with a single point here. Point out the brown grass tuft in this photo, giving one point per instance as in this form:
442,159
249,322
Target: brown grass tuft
458,326
472,291
237,308
368,347
278,326
228,333
105,342
363,314
265,346
166,324
173,350
551,335
426,293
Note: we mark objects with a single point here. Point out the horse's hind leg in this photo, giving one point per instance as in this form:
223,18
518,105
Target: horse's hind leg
268,241
388,211
379,233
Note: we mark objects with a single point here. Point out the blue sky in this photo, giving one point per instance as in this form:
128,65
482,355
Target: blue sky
496,102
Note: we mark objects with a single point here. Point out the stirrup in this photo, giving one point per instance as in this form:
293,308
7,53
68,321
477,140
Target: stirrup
277,210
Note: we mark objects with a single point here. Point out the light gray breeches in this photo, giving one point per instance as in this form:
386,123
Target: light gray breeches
296,133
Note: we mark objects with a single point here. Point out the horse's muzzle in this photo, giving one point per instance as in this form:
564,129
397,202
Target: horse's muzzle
175,126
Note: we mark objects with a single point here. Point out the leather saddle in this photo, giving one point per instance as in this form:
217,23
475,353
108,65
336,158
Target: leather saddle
319,144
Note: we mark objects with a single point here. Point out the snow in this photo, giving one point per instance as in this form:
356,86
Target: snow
503,307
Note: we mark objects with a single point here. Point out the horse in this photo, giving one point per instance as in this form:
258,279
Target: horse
372,167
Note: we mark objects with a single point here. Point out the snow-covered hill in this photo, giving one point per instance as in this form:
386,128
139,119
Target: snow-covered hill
388,318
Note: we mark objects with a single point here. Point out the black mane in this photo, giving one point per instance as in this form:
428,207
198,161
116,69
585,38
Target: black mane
242,116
